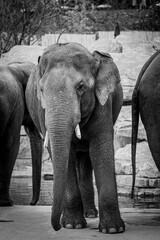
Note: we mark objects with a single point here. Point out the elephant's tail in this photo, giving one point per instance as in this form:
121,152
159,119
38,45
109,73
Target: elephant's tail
135,123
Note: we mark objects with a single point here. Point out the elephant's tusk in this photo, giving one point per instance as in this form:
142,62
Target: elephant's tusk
78,132
41,135
46,140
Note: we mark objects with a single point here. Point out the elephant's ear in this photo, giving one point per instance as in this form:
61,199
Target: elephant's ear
107,76
39,81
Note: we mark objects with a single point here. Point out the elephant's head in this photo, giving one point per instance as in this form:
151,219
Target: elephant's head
70,82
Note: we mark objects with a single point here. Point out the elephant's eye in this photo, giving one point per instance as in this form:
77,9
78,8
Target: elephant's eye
80,88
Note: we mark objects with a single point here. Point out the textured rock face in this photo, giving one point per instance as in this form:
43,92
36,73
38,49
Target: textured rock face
23,165
113,46
145,165
123,128
22,53
147,174
156,42
129,64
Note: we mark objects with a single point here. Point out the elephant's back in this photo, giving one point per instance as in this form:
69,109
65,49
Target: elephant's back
149,89
8,83
11,97
150,80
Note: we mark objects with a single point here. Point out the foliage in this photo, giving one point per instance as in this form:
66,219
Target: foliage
24,21
21,19
77,22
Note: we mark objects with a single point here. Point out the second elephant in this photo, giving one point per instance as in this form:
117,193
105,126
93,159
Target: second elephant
14,114
74,99
146,102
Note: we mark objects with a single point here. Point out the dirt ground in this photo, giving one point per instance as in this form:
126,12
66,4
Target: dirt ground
33,223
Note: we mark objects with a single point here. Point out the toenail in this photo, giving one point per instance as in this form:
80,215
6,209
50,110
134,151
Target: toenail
112,230
78,226
121,229
69,226
104,230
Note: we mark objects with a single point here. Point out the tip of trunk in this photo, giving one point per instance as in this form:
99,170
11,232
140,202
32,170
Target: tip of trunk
55,224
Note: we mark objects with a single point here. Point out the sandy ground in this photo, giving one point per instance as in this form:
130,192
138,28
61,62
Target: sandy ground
33,222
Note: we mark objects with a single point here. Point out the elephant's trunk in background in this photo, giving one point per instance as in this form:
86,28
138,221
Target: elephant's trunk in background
60,126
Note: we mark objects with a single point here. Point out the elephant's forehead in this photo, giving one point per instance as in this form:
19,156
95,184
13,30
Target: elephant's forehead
68,55
70,48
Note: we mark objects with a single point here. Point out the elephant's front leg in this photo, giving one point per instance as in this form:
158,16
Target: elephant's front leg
102,157
72,204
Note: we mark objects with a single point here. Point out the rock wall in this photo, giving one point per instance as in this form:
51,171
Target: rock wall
130,63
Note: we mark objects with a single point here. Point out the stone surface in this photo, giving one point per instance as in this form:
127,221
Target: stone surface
142,182
130,61
156,42
154,183
101,45
148,192
123,180
33,223
123,128
22,53
145,165
24,150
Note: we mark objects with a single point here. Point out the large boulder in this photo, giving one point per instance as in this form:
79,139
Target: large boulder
156,42
145,165
123,128
101,45
22,53
147,174
130,63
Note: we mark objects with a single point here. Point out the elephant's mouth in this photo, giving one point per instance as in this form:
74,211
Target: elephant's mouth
85,118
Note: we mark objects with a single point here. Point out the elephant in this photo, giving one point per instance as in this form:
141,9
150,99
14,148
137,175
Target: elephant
74,98
14,114
146,103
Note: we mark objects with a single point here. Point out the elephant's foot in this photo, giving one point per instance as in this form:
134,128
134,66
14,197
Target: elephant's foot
113,225
6,202
91,213
72,220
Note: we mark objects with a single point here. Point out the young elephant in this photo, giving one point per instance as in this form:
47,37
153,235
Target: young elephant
13,113
74,99
146,101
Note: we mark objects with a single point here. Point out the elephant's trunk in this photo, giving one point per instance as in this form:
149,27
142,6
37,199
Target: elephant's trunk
60,165
60,128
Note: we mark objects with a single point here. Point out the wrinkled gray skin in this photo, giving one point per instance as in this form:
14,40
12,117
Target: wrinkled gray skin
71,86
13,114
146,102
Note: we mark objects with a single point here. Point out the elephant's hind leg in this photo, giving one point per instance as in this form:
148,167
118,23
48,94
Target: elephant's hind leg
86,184
72,205
153,136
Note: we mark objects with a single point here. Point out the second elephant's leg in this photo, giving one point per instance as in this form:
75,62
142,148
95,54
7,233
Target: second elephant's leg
153,136
72,204
9,149
85,179
36,144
